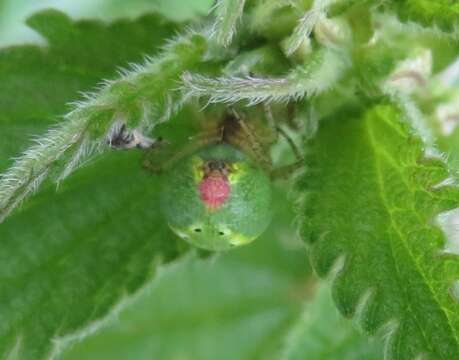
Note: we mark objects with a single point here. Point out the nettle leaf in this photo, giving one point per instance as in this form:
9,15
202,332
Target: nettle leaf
440,15
140,98
67,260
321,333
226,310
14,31
228,13
320,74
373,198
37,83
239,305
443,14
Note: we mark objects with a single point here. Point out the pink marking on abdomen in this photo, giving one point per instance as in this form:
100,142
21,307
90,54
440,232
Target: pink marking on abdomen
214,191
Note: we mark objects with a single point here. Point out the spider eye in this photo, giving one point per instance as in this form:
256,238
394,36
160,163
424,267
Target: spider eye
198,230
221,233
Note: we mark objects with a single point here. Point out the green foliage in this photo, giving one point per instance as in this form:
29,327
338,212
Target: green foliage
443,14
13,12
440,15
321,333
68,259
393,272
78,57
328,65
201,310
353,80
102,241
228,13
242,298
140,98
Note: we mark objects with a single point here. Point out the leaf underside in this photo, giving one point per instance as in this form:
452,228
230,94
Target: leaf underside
67,259
321,333
200,310
372,198
38,83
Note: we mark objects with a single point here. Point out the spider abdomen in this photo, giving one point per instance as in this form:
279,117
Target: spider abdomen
214,191
217,198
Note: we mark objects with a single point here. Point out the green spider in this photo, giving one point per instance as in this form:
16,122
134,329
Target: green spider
216,190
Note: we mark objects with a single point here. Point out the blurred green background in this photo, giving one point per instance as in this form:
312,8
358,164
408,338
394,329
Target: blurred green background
14,12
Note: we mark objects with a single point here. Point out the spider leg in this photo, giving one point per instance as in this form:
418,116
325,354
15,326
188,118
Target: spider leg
243,137
278,130
159,159
285,171
291,117
270,117
295,150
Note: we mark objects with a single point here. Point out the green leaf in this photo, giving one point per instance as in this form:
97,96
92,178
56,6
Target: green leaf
306,25
226,310
373,196
228,13
77,57
443,14
177,10
321,333
325,68
450,145
13,12
239,305
138,99
437,14
68,260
